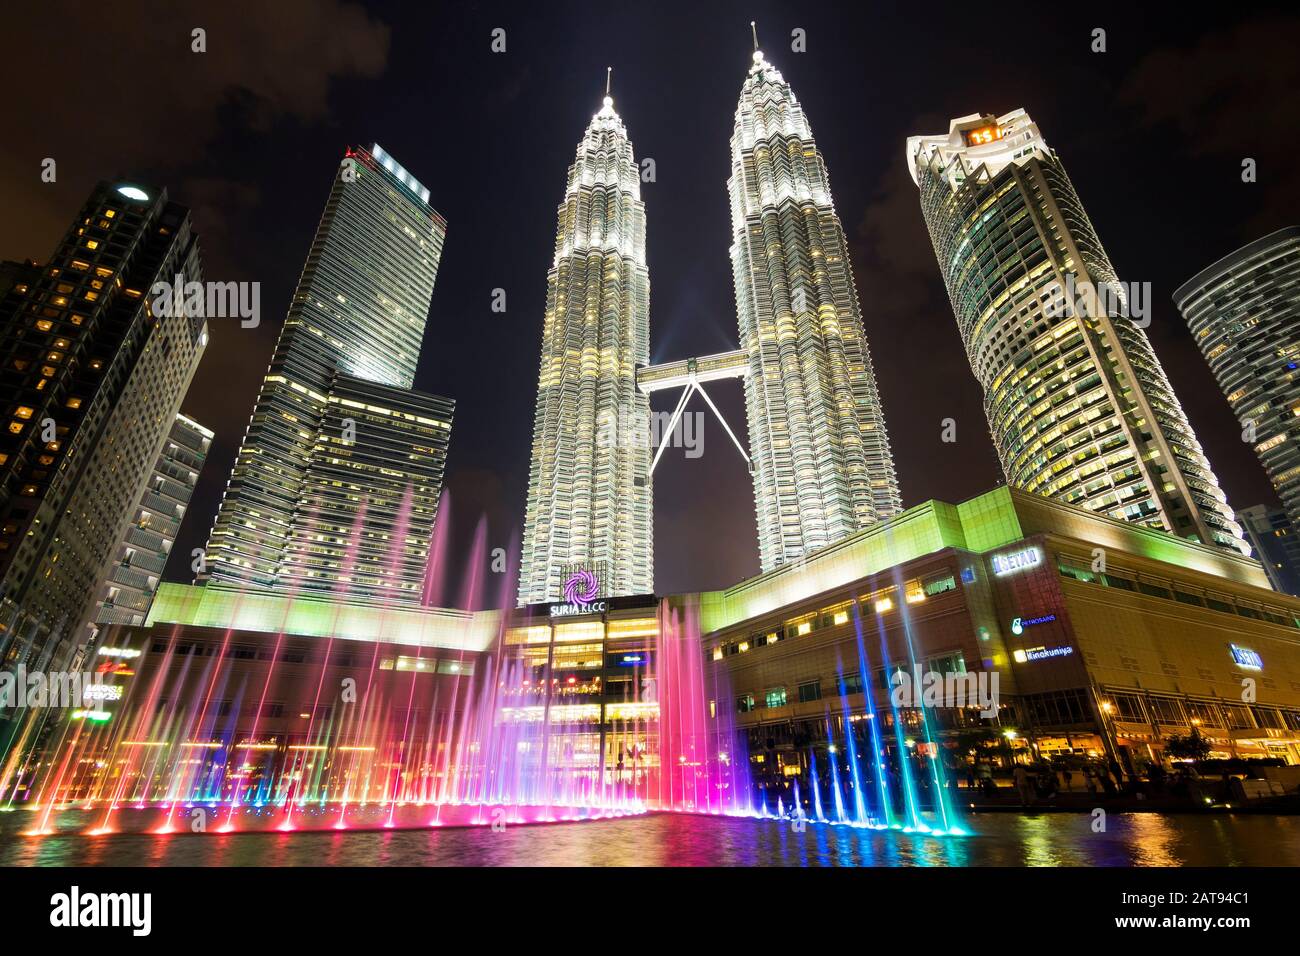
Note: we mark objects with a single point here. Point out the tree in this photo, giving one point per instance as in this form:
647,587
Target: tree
1190,747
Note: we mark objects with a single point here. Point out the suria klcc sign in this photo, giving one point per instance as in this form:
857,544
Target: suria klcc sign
580,590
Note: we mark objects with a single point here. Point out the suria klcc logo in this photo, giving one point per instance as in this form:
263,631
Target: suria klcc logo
581,587
580,590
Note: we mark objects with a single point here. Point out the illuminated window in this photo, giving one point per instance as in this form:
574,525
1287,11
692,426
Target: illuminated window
74,402
44,324
24,412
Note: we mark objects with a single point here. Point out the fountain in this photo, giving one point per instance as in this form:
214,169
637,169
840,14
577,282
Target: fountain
518,733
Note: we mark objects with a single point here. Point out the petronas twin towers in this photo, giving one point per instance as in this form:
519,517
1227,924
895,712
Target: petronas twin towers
820,456
589,480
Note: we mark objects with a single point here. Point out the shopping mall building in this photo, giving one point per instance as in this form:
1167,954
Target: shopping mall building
1106,638
1097,638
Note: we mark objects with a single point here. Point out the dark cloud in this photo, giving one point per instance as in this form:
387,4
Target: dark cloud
89,81
1228,95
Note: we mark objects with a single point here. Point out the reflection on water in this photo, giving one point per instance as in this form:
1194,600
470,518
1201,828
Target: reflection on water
1145,839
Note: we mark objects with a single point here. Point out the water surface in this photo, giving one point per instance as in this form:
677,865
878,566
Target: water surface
1058,839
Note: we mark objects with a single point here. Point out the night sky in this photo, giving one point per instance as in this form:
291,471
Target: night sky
250,133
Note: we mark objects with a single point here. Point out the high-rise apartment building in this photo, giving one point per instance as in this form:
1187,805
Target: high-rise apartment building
822,465
589,496
340,448
92,378
1244,312
1076,400
125,596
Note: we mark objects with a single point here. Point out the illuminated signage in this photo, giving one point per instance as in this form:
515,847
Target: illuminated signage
124,653
102,692
1019,624
99,716
983,135
1016,561
569,610
1041,653
580,590
1245,657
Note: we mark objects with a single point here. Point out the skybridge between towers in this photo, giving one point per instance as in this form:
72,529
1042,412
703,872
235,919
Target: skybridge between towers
690,375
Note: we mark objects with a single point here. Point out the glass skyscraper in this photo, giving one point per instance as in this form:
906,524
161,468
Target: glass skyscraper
1244,312
94,371
589,498
1077,402
339,448
822,465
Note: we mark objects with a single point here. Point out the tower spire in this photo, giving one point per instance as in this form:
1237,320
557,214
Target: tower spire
609,75
753,28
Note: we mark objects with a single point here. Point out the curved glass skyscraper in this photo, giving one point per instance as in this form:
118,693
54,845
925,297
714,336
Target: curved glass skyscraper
822,465
589,503
1244,312
1079,407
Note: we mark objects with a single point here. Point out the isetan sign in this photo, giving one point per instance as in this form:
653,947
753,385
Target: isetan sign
1016,561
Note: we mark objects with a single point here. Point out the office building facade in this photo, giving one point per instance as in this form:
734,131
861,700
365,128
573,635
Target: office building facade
1078,405
1273,538
339,446
126,594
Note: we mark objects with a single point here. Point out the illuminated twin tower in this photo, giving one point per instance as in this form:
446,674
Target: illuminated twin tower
819,453
1077,403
